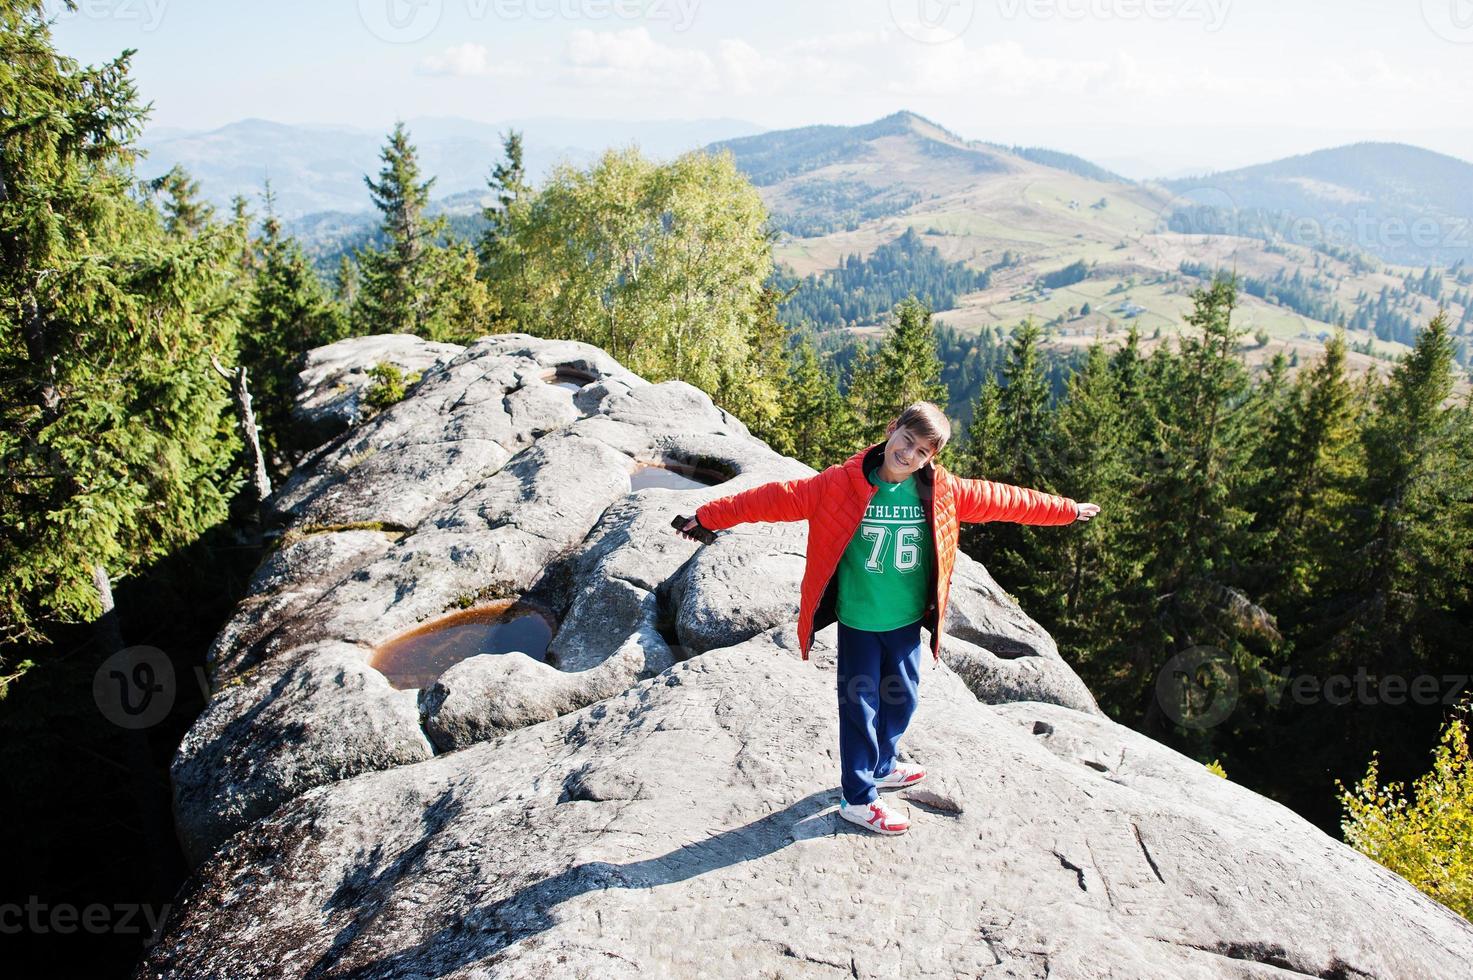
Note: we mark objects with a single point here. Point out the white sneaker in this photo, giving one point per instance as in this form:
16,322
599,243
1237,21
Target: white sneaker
901,774
877,816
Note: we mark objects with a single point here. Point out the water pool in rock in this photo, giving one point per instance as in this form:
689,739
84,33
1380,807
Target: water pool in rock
673,475
568,379
414,659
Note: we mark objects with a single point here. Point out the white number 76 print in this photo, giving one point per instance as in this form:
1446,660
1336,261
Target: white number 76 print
907,553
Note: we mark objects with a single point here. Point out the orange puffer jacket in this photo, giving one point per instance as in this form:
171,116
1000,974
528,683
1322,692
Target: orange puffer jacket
833,503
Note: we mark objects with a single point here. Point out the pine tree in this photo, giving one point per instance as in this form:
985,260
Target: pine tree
815,419
903,369
345,283
752,389
116,433
1095,589
508,181
1132,386
185,213
390,299
241,221
1195,511
1311,462
289,312
1013,443
983,452
414,285
1024,405
1417,506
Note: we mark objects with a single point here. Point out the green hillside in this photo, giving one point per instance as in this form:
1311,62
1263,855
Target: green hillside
1401,203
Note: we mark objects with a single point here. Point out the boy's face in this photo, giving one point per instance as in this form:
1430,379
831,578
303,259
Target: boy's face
906,452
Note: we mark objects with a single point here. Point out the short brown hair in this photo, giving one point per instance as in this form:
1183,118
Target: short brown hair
926,420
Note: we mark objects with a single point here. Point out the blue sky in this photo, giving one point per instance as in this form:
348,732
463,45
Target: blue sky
1181,82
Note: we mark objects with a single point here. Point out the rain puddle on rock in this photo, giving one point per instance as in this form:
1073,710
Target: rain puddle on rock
568,379
673,475
416,658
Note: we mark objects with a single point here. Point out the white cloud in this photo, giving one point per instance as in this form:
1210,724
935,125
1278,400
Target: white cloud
879,66
634,59
467,60
1005,68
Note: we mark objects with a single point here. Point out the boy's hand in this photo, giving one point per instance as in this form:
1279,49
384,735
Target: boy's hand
693,529
1086,511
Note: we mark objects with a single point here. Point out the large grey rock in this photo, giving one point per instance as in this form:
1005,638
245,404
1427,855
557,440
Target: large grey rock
486,482
999,651
332,379
260,742
686,827
491,694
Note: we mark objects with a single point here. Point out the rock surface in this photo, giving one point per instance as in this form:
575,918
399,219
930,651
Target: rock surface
686,828
486,482
658,797
333,378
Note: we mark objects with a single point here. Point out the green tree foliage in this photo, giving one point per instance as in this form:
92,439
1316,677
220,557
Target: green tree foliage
903,369
1311,465
1027,434
1101,562
497,247
661,265
982,451
1009,441
1206,432
289,312
816,425
389,385
1415,527
1067,276
1426,836
185,214
116,434
864,290
414,284
751,388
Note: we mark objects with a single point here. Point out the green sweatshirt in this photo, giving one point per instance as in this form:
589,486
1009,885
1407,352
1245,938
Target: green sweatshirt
884,571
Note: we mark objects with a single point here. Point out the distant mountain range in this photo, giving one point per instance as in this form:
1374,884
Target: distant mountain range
770,157
988,235
320,168
1402,203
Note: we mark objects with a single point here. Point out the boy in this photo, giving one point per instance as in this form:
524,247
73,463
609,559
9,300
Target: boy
882,538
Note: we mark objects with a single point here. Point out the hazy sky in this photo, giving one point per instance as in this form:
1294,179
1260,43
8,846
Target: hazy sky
1151,86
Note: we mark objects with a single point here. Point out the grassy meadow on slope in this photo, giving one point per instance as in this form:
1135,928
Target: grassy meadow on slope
992,209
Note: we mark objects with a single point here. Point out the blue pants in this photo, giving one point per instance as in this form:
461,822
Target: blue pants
879,673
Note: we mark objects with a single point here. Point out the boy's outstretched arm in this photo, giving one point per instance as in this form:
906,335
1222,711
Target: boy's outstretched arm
781,500
984,500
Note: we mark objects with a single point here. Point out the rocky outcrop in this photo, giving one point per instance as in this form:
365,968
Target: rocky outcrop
589,815
686,827
488,481
333,379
